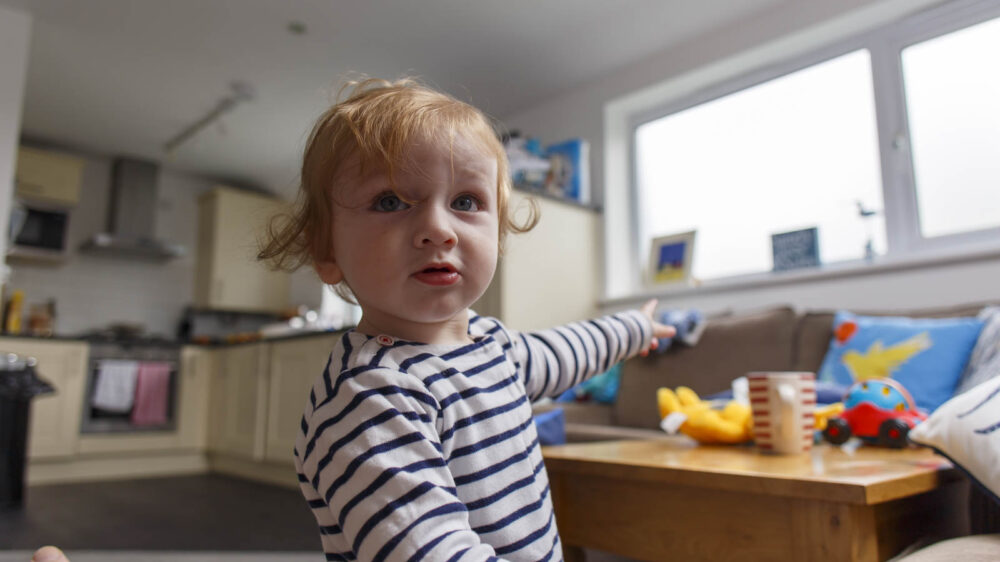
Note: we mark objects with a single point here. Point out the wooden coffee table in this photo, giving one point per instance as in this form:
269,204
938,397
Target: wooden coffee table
675,500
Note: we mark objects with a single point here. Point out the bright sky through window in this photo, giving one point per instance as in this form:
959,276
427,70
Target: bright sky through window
795,152
953,101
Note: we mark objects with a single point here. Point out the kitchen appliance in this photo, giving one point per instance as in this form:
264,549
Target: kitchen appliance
38,230
131,219
119,346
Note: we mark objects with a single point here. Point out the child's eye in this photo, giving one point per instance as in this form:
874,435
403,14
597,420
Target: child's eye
389,202
465,203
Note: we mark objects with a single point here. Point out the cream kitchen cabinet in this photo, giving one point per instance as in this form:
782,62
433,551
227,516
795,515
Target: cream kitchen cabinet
228,275
551,274
294,367
46,176
239,396
54,427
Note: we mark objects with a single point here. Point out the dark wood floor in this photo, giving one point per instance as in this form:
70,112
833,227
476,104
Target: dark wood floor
209,512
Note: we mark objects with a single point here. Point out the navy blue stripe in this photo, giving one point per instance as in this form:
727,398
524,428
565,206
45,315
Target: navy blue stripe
468,393
988,429
605,364
366,425
381,515
386,475
316,504
613,339
531,537
483,415
527,364
493,469
498,438
427,547
511,488
338,557
345,340
358,399
553,355
577,371
628,335
330,530
517,515
445,509
359,460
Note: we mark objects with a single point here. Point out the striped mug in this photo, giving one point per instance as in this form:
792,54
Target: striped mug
783,405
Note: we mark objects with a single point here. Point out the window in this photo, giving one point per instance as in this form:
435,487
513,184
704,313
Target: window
798,146
954,117
797,151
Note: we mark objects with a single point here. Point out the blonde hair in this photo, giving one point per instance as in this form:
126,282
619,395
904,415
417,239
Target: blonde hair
376,123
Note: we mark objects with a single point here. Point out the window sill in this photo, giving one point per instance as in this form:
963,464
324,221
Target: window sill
856,268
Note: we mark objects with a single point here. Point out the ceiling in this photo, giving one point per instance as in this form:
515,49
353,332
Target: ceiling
122,77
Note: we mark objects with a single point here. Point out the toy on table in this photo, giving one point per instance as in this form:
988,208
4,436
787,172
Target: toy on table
684,411
878,411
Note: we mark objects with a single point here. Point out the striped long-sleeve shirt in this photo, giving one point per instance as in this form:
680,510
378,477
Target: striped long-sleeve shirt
428,452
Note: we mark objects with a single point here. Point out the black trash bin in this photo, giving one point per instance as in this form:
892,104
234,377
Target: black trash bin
18,385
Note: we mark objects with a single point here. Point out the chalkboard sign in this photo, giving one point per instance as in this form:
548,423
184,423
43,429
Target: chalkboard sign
792,250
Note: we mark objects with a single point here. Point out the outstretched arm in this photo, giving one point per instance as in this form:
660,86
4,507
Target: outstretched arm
553,361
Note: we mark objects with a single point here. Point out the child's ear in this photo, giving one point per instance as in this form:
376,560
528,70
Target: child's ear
329,272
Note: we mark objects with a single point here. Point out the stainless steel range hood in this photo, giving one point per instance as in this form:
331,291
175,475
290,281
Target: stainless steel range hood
131,223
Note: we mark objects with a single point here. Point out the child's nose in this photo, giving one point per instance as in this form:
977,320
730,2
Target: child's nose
434,229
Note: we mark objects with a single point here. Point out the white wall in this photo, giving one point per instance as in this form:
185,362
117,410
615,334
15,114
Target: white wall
769,37
15,34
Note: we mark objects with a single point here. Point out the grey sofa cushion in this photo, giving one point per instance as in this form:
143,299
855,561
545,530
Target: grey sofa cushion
730,347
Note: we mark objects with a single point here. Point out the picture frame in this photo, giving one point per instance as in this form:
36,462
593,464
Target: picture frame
670,259
795,249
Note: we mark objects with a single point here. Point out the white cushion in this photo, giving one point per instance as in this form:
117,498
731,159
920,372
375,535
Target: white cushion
966,429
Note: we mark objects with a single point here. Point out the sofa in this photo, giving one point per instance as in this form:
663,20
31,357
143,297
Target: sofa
733,344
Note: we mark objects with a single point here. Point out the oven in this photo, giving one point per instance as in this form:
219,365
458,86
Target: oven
132,386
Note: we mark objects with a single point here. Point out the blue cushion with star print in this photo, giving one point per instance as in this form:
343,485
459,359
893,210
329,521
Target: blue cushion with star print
926,355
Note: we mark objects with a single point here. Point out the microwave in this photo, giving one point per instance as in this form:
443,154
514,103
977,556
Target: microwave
38,230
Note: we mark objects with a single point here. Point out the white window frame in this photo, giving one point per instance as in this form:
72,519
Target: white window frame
906,244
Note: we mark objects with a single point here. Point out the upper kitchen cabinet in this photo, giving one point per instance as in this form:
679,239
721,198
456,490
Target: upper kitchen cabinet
228,275
48,177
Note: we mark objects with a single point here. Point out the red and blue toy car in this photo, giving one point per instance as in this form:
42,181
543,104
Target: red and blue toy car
879,411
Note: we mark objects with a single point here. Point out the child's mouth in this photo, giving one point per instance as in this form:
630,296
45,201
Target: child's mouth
437,275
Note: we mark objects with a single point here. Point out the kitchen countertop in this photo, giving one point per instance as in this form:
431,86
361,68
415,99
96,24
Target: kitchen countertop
299,334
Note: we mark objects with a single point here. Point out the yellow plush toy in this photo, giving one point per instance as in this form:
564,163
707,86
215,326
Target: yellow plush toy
732,424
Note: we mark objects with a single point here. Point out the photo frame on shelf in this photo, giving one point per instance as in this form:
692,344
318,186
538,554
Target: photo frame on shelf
670,259
795,249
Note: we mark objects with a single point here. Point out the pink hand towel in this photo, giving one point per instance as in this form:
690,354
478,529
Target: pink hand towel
152,394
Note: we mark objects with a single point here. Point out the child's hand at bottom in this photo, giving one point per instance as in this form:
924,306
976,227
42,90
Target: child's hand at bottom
49,554
659,330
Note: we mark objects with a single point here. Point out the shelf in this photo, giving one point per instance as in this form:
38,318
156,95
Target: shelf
551,197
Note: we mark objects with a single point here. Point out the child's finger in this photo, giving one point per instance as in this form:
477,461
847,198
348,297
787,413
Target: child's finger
649,308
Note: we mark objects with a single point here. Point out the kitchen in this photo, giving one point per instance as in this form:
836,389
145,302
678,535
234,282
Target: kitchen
233,368
154,290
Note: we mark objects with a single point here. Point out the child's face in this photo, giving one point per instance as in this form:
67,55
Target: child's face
416,267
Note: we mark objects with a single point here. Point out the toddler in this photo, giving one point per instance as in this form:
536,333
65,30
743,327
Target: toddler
417,441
